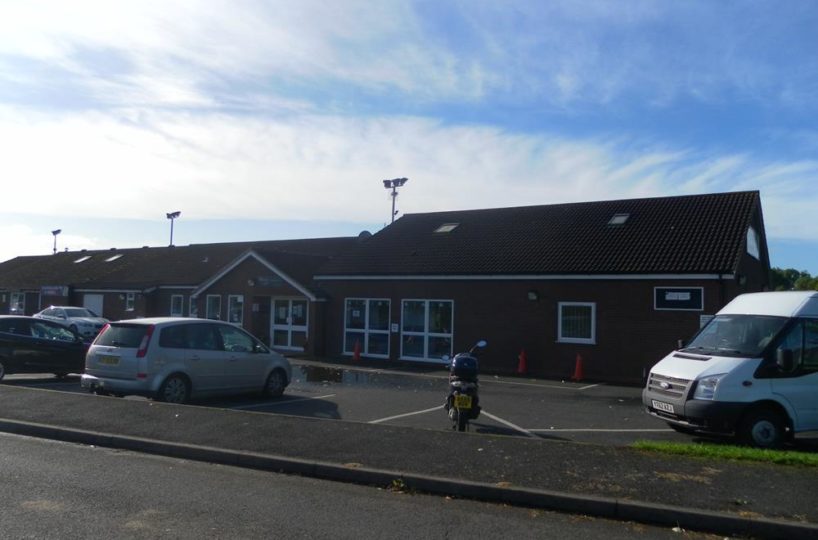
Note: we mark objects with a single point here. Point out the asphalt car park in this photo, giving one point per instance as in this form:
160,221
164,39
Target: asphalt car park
514,406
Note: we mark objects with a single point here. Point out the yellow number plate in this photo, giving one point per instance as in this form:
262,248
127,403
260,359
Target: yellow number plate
462,401
109,360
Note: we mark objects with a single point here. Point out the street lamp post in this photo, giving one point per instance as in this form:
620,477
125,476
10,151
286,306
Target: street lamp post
55,233
394,184
171,216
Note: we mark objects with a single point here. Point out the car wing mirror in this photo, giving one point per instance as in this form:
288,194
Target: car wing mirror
784,359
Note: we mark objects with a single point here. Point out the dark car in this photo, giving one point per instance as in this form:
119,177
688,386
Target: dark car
29,345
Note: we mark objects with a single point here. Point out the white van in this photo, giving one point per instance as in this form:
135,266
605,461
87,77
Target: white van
751,371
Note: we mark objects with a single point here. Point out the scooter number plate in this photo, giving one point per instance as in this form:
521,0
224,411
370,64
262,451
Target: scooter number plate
462,401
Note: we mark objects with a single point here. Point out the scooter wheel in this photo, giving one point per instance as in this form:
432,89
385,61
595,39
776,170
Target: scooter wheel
462,420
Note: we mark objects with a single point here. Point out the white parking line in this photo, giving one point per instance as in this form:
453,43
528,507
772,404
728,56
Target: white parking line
259,405
378,421
509,424
597,430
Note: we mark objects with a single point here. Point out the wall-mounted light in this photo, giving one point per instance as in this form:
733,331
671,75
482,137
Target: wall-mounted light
533,296
250,282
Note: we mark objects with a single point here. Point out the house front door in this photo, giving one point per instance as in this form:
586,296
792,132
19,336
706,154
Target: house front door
289,323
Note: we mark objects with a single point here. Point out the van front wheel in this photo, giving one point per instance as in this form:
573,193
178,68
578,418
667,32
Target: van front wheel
763,428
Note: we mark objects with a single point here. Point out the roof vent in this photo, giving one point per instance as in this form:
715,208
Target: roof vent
447,228
619,219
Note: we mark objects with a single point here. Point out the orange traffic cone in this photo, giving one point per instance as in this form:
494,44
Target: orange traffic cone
522,364
578,375
356,352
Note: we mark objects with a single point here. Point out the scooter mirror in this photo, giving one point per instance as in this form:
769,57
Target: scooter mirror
480,344
445,358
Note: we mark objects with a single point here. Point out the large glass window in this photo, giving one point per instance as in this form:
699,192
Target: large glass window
426,329
177,302
366,323
18,303
235,309
213,309
576,322
130,301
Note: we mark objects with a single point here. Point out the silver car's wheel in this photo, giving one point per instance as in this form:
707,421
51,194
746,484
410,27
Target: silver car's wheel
276,382
175,389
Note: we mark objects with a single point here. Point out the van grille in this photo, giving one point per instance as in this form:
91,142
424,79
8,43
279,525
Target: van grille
671,387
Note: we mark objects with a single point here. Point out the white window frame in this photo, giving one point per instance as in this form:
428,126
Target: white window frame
230,299
17,299
585,341
193,307
207,307
130,301
425,334
177,298
365,332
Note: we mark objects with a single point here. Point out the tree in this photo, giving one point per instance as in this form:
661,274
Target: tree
792,280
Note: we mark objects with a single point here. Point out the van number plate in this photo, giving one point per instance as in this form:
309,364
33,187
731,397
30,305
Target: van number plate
667,407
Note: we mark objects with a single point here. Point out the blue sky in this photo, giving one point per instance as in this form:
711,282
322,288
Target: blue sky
274,119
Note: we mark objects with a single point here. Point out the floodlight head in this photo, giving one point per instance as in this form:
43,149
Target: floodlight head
400,181
173,215
387,184
56,232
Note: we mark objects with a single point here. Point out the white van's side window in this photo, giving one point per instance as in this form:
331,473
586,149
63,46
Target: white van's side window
810,345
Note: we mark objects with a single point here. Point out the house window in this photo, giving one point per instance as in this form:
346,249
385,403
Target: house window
213,309
177,302
752,243
235,309
193,307
130,301
18,303
576,322
426,329
366,322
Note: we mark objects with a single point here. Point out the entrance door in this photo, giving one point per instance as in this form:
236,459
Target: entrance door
94,303
289,326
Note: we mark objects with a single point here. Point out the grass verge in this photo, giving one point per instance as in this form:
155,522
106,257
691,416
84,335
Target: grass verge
724,451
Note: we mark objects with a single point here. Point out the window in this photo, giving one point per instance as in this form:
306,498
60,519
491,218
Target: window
234,340
576,322
82,259
752,243
177,303
366,323
447,227
235,309
678,298
130,301
18,303
802,340
213,310
193,307
619,219
112,258
426,331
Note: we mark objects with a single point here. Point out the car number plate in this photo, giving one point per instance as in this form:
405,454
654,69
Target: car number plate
462,401
662,406
108,360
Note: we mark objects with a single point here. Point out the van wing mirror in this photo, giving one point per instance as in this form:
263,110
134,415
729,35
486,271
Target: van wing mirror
680,344
784,359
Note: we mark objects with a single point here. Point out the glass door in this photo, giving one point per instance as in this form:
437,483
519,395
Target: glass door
289,323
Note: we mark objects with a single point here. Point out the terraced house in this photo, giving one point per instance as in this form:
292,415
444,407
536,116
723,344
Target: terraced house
616,283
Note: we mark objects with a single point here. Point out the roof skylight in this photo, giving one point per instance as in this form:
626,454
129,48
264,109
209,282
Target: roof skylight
82,259
619,219
114,257
447,227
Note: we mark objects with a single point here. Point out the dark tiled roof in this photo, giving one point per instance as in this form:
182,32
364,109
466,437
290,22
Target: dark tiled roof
140,268
668,235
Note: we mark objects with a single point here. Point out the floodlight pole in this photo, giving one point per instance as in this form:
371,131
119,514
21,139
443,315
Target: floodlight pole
55,233
171,216
394,184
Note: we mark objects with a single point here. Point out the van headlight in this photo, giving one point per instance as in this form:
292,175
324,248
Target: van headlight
706,387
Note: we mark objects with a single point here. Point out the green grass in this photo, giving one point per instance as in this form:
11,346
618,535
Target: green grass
725,451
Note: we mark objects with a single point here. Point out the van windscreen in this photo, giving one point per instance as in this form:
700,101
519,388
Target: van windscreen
736,335
122,335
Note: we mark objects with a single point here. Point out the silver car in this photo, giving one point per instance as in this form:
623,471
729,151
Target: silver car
80,320
174,359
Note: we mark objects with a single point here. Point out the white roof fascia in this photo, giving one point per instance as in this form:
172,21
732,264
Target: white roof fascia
530,277
232,266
